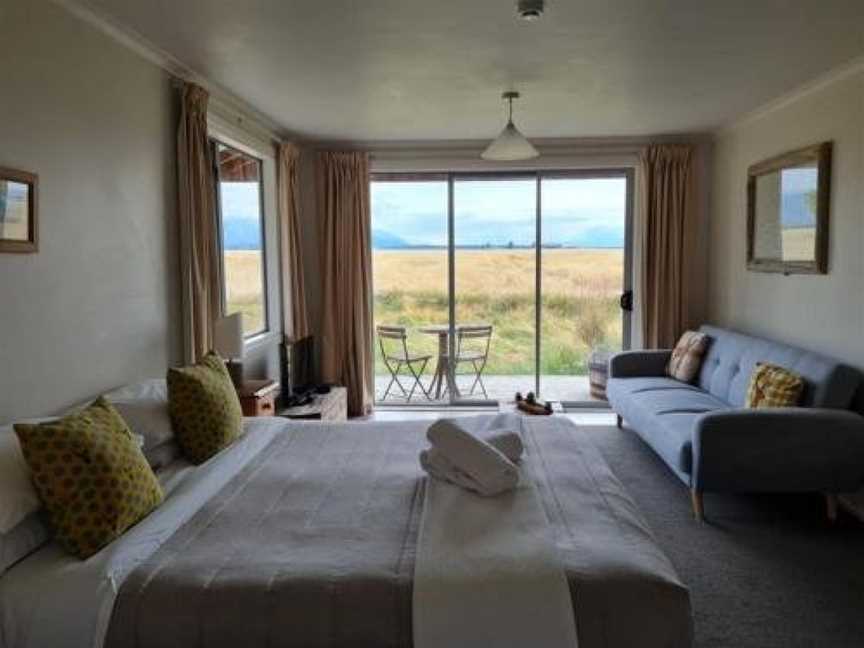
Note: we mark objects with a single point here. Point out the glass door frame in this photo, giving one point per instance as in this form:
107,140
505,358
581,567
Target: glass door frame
538,175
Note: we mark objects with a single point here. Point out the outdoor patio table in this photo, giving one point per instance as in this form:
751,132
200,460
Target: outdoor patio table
442,369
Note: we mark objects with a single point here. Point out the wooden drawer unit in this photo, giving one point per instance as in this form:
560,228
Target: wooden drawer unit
258,397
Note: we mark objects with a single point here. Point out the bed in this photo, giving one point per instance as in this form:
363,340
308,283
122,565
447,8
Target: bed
304,534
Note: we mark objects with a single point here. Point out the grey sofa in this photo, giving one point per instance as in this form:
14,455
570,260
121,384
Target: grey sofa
712,443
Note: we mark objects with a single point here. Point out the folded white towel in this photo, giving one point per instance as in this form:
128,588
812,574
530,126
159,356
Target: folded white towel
488,467
438,466
508,442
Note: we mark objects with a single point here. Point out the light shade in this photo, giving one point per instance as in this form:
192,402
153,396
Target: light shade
228,336
509,145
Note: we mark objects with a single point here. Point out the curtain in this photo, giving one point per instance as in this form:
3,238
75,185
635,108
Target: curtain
346,329
199,248
295,315
668,224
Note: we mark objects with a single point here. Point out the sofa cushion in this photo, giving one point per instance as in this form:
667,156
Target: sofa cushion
633,385
687,356
773,386
732,357
678,400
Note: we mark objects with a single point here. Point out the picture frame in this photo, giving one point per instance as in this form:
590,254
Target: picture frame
19,213
788,212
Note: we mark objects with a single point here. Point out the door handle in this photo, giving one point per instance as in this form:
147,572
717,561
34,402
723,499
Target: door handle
626,301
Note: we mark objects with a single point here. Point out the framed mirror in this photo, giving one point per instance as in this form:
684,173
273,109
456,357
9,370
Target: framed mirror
18,213
788,203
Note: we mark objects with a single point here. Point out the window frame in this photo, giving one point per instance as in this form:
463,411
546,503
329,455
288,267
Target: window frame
215,143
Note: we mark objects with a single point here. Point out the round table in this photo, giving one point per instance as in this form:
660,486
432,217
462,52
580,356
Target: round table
442,369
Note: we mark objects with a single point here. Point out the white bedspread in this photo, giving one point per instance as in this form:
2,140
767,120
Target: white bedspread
487,572
54,600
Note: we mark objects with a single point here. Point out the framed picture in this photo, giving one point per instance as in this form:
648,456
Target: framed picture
18,211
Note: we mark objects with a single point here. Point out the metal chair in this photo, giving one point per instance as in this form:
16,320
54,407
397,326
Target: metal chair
472,346
398,357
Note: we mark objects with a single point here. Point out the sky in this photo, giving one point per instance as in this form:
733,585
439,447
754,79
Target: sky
580,212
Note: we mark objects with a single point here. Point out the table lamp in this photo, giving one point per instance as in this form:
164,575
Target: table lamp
228,342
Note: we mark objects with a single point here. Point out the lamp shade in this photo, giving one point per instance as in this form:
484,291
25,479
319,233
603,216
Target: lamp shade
228,336
510,145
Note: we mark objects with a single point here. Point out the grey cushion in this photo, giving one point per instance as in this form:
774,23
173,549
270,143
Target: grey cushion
732,356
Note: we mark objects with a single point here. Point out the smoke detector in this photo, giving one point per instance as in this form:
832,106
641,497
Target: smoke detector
529,9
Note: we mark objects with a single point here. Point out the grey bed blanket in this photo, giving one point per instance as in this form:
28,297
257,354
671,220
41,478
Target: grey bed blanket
313,543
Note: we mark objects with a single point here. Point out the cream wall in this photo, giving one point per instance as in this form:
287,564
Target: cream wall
823,313
97,306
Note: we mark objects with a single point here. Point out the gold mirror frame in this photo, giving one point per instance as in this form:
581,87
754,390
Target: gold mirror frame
821,155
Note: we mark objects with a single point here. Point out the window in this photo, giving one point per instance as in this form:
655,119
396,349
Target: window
241,224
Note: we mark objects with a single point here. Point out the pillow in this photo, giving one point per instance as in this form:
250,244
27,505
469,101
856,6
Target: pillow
144,407
18,496
205,409
687,356
773,386
23,540
162,455
148,418
90,475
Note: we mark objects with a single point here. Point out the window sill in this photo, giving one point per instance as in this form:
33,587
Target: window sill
261,340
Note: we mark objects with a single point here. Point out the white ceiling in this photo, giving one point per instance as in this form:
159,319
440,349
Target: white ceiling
434,69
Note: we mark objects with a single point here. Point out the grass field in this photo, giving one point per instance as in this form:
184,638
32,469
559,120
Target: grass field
579,311
244,278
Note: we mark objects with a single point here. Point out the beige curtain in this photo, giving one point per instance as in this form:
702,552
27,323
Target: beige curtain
668,224
294,312
346,329
199,251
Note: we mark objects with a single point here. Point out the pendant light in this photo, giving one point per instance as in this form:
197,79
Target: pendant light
510,144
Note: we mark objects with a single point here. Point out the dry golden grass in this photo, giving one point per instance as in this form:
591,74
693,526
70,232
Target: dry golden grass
579,310
589,273
244,278
799,244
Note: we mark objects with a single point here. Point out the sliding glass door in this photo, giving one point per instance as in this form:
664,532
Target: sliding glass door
495,286
469,308
585,271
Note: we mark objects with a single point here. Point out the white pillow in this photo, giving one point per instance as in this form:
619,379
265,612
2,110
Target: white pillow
144,407
23,540
18,497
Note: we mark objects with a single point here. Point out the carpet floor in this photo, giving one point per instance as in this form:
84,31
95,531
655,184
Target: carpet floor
762,570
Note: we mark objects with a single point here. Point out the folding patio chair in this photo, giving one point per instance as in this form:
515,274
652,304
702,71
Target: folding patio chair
472,346
396,357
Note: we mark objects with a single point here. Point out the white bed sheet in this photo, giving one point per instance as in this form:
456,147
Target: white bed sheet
54,600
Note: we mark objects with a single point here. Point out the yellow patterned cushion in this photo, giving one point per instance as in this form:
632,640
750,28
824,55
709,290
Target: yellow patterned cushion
205,410
773,386
90,475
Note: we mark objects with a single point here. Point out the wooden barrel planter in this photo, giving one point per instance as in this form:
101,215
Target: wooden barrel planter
598,373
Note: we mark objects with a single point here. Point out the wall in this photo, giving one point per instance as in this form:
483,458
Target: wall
97,306
823,313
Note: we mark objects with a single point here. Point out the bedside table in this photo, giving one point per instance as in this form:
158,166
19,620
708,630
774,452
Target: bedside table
258,397
332,406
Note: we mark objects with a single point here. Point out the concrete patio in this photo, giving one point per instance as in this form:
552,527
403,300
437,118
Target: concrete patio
558,388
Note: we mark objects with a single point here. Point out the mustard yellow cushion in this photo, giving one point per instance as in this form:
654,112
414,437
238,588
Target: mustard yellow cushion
773,386
204,407
90,475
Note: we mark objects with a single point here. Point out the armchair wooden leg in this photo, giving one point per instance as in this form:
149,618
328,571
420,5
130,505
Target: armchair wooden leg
618,420
831,507
696,500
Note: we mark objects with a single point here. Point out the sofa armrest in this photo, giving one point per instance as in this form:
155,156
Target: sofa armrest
639,364
782,449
